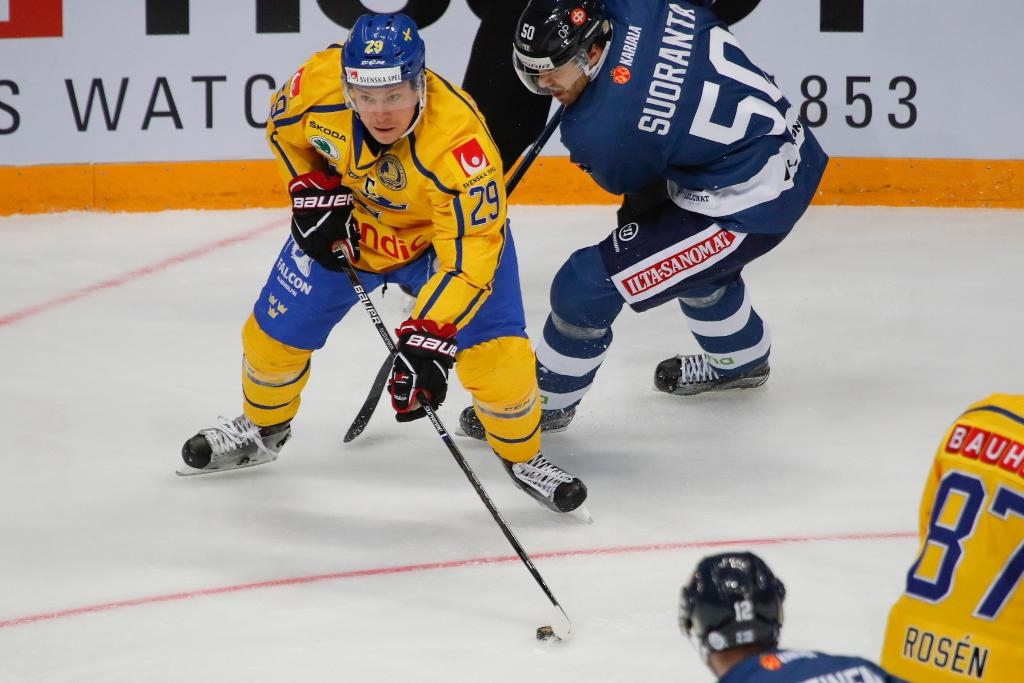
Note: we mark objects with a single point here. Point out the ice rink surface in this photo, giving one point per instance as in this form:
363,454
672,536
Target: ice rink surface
375,560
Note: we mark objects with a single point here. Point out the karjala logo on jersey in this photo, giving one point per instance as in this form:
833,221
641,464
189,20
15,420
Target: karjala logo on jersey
471,157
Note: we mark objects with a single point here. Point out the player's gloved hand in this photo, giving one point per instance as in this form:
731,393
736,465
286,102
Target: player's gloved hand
426,352
322,219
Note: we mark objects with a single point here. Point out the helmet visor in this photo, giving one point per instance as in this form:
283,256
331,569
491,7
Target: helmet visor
541,76
373,99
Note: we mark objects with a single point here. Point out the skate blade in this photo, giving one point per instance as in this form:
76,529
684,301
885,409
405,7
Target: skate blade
580,514
186,471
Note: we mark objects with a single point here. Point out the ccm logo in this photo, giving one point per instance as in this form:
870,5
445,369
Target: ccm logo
328,202
434,344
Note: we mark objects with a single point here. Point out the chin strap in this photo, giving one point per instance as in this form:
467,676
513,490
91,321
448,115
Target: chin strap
592,72
419,110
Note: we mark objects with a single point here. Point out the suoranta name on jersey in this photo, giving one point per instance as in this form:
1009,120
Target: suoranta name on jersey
669,72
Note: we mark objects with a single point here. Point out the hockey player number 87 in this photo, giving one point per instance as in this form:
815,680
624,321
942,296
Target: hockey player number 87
950,539
748,107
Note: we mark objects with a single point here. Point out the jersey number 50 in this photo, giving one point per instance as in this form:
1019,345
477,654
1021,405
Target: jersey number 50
950,539
748,107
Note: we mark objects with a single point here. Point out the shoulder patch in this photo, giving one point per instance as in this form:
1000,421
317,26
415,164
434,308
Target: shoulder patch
295,85
471,157
280,104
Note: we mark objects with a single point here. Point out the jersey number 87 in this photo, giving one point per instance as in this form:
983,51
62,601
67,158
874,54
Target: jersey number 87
950,538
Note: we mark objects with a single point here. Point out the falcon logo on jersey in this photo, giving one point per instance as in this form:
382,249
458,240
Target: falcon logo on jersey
296,85
303,261
471,157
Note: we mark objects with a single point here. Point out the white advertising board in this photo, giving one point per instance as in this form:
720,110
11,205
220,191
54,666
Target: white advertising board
171,80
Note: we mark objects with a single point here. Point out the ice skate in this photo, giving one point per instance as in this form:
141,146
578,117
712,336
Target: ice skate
547,483
231,445
694,374
550,421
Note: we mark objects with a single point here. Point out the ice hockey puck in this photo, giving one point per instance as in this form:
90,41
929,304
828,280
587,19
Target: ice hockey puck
546,633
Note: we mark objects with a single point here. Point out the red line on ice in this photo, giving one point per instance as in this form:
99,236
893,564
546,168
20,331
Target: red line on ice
131,276
429,566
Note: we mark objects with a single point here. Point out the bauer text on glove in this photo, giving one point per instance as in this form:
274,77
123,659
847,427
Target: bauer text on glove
322,221
426,352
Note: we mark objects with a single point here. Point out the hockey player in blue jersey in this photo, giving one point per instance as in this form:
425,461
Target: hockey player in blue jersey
662,92
731,610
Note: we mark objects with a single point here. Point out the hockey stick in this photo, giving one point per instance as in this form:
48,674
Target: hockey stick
373,398
371,310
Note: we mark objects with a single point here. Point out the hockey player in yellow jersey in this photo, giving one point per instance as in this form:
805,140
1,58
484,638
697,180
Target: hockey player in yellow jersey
392,165
961,616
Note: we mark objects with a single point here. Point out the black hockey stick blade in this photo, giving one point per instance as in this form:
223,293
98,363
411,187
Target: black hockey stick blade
372,399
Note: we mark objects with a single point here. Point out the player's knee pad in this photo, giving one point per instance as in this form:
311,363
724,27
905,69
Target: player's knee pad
273,376
501,376
576,332
582,294
704,297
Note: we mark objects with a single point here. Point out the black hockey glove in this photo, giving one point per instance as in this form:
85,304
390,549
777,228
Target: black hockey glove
322,219
426,352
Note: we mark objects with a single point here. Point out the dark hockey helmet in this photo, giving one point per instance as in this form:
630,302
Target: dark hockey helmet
384,51
554,33
732,599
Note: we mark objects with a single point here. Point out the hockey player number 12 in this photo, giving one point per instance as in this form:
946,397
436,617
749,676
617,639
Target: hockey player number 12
950,538
748,107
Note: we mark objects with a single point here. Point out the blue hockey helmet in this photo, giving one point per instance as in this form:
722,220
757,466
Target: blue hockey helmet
732,600
557,35
384,51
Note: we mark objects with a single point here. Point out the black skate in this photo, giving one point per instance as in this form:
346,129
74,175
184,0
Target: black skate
231,445
690,375
550,421
548,484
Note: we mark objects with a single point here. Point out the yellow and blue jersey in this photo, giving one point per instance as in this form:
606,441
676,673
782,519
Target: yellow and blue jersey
439,187
961,616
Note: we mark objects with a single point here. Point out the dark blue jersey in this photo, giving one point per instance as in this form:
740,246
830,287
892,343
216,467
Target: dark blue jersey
789,666
676,98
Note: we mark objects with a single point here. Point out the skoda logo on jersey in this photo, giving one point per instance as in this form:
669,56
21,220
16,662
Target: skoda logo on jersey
628,232
325,147
391,173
